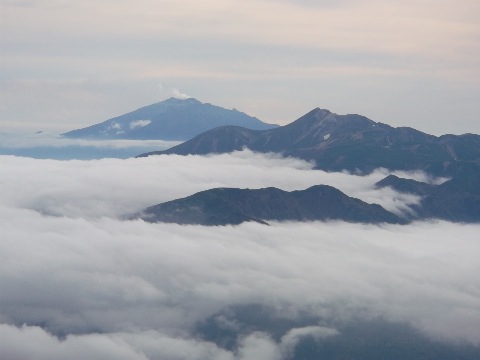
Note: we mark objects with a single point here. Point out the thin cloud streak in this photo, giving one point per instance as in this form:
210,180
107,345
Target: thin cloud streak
16,140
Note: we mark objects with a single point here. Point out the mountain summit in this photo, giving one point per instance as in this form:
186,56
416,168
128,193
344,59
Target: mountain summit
344,142
172,119
335,142
230,206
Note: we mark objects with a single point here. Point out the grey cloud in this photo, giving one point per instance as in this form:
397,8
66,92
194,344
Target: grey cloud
74,275
291,339
128,346
43,346
141,289
113,346
259,346
114,187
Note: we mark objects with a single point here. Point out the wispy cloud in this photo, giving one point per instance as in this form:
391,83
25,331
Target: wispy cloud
179,95
22,140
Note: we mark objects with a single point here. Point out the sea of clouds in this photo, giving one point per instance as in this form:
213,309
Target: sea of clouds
79,282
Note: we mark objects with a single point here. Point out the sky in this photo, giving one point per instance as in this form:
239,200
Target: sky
78,281
69,64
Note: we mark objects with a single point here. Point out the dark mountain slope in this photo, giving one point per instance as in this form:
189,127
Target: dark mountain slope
355,143
344,142
233,206
456,200
172,119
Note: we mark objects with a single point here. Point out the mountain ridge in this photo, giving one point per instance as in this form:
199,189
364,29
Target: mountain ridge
232,206
456,200
343,142
357,144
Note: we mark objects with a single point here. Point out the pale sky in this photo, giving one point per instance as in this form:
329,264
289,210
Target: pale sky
67,64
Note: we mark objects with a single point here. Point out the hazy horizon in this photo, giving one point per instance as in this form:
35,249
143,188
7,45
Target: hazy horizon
68,65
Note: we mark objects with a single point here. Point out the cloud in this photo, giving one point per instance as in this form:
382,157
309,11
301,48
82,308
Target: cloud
85,280
259,346
179,95
78,276
113,346
52,146
113,187
23,140
114,126
291,339
167,91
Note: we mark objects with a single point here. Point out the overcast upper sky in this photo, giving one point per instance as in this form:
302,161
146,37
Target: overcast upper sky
69,64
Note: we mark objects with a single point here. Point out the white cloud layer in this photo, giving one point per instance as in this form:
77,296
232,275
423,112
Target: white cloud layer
132,290
116,187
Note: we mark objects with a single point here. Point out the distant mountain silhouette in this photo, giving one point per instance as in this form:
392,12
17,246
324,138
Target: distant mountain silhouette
344,142
336,142
172,119
456,200
224,206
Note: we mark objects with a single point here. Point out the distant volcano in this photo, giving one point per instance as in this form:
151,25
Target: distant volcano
172,119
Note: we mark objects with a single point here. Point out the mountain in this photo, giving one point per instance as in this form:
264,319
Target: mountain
372,338
172,119
456,200
224,206
344,142
336,142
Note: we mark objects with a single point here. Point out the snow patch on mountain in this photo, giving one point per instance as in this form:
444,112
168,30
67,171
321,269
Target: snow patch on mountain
139,124
113,128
